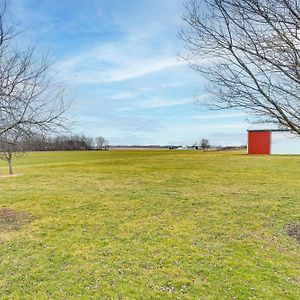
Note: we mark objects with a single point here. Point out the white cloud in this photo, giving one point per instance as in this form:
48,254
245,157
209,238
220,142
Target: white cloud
184,128
122,96
220,115
108,66
163,102
142,44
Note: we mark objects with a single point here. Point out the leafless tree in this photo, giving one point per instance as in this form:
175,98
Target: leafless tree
249,52
58,143
30,99
204,144
11,146
101,142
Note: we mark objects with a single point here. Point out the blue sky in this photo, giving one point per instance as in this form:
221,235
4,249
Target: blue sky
120,63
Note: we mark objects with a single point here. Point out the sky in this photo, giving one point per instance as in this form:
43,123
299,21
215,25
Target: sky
121,65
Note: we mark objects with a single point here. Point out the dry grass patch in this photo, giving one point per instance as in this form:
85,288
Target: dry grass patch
10,175
11,219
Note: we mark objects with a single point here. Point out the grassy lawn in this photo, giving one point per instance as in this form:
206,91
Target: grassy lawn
151,225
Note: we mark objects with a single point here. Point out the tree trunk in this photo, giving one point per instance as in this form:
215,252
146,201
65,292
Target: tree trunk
10,169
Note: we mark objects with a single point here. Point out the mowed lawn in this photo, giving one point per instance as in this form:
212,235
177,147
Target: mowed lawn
151,225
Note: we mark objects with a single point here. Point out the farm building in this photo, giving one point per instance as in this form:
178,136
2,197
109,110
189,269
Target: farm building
273,141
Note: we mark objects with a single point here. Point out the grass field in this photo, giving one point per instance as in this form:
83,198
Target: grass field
151,225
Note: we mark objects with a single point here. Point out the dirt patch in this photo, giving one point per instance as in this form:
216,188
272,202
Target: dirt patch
11,219
10,175
293,231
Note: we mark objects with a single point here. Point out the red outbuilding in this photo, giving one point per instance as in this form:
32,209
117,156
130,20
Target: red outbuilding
259,142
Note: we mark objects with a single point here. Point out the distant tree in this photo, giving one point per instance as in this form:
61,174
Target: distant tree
37,142
88,141
204,144
249,52
101,142
41,142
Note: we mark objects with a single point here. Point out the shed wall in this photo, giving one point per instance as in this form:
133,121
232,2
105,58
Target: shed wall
285,143
259,142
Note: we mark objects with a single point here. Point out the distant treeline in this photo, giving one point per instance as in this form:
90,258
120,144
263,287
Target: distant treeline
63,143
82,142
140,146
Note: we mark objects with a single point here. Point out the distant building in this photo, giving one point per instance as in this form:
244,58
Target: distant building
183,148
273,141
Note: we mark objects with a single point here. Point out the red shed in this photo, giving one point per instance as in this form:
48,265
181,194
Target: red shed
259,142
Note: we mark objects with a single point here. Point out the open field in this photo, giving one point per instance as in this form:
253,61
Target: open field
151,225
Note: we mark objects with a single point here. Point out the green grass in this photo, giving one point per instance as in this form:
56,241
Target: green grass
152,225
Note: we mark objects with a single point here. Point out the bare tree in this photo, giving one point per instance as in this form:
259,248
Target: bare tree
10,148
204,144
30,99
58,143
101,142
249,52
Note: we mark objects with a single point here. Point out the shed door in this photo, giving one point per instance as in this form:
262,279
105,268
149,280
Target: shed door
259,142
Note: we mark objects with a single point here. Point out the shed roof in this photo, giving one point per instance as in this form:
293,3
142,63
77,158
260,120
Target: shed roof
272,130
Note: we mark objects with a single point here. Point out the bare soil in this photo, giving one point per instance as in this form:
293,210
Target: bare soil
11,219
293,231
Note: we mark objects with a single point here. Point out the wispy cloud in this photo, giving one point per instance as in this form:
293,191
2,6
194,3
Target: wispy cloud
163,102
220,115
112,65
119,60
